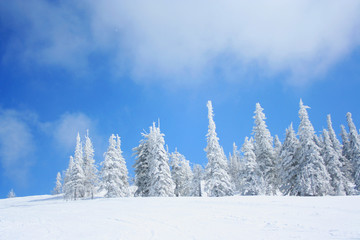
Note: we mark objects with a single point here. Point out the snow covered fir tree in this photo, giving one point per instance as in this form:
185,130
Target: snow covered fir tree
252,178
264,151
354,150
90,170
141,167
161,183
236,169
58,184
152,171
181,174
11,194
340,184
114,173
80,178
312,176
217,179
288,162
304,164
196,186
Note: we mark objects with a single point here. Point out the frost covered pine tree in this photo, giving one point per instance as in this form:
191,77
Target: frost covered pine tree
67,186
354,150
161,184
288,162
90,170
277,146
264,151
312,178
277,149
319,141
235,168
253,180
11,194
141,167
77,175
217,182
335,143
58,185
123,169
114,174
196,189
345,151
74,187
340,184
346,166
181,174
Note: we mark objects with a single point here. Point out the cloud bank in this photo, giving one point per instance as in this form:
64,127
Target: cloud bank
16,145
17,139
186,42
66,128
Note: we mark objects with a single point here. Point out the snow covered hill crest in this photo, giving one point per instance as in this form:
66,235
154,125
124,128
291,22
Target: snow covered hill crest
237,217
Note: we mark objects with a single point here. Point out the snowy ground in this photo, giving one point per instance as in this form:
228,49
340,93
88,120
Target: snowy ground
260,217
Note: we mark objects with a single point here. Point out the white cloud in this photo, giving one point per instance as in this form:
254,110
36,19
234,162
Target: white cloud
18,130
187,42
16,144
66,128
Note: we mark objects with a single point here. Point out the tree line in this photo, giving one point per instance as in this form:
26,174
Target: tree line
305,164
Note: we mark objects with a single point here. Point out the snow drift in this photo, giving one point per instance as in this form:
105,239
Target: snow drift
238,217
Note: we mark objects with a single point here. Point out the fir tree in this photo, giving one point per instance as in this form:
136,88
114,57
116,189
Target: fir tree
312,178
319,141
74,186
77,174
196,189
141,167
67,186
90,171
58,186
235,168
161,184
218,182
265,155
277,149
339,182
123,169
181,174
277,146
11,194
288,162
77,180
253,183
335,143
354,147
345,143
114,173
347,166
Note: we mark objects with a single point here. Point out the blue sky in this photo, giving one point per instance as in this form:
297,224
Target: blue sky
117,66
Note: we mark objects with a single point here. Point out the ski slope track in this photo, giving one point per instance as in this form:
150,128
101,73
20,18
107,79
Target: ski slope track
238,217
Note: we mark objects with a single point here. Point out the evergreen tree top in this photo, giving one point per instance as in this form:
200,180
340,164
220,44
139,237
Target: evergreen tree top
277,142
344,135
334,141
306,130
88,148
212,126
352,128
259,112
260,130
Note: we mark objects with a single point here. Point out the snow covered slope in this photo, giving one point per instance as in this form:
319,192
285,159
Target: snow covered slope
259,217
